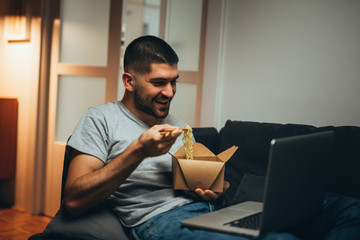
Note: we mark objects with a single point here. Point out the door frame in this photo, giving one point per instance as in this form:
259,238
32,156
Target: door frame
55,150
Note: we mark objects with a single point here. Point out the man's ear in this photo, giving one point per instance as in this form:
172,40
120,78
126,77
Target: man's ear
128,81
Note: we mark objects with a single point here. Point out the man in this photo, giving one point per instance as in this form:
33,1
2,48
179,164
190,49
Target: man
121,144
121,156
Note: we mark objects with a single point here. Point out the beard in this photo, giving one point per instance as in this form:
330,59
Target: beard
146,105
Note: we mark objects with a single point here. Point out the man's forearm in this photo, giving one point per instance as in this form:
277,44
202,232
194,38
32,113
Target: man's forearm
95,186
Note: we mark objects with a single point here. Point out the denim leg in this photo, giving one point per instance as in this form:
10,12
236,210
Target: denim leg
278,236
167,226
340,219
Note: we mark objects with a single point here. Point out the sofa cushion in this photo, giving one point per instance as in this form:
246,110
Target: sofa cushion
207,136
99,223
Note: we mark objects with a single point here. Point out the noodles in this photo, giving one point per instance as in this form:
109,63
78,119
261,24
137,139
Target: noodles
188,144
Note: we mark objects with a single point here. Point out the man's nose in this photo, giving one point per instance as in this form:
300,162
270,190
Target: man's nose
168,90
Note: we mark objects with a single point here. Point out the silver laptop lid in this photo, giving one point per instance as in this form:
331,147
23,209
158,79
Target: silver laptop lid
298,165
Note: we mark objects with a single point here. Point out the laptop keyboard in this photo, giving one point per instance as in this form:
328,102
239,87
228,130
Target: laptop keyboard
251,222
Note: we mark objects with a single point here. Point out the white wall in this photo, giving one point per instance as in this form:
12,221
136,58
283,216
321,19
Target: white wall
288,62
211,92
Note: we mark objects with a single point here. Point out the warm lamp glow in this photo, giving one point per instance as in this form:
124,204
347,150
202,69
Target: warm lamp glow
17,20
16,28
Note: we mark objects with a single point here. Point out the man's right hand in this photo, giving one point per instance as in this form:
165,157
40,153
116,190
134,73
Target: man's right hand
154,142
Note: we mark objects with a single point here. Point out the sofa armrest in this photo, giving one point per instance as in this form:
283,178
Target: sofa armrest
99,223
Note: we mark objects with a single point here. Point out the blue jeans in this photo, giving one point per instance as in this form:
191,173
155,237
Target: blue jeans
339,220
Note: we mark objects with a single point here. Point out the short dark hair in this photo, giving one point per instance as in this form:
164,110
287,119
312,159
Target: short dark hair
145,50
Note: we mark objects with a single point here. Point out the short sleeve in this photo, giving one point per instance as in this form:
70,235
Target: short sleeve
91,135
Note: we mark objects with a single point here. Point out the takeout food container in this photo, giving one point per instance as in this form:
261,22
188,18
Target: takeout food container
206,171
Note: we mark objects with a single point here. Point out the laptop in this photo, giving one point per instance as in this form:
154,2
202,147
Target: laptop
294,189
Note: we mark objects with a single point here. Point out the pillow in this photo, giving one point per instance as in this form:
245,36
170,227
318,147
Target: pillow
99,223
251,188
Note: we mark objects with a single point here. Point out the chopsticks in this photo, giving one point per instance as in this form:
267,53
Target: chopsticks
166,130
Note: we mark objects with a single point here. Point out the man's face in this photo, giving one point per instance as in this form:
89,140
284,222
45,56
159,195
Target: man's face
154,91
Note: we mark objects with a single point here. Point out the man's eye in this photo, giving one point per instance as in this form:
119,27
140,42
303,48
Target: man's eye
173,82
160,83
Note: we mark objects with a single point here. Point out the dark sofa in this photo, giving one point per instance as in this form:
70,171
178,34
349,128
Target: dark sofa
245,171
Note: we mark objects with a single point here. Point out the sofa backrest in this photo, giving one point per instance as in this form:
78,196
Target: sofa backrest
253,140
344,177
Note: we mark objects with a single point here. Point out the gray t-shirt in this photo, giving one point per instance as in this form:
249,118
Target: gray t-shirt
105,132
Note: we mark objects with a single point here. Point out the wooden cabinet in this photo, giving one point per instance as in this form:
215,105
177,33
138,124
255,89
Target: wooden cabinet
8,137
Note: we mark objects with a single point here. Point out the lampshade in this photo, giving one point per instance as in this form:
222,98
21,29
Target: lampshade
18,20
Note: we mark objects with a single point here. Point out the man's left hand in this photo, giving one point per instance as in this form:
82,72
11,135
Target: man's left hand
209,195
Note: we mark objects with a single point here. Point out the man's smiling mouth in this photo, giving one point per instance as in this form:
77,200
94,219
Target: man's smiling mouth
162,101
